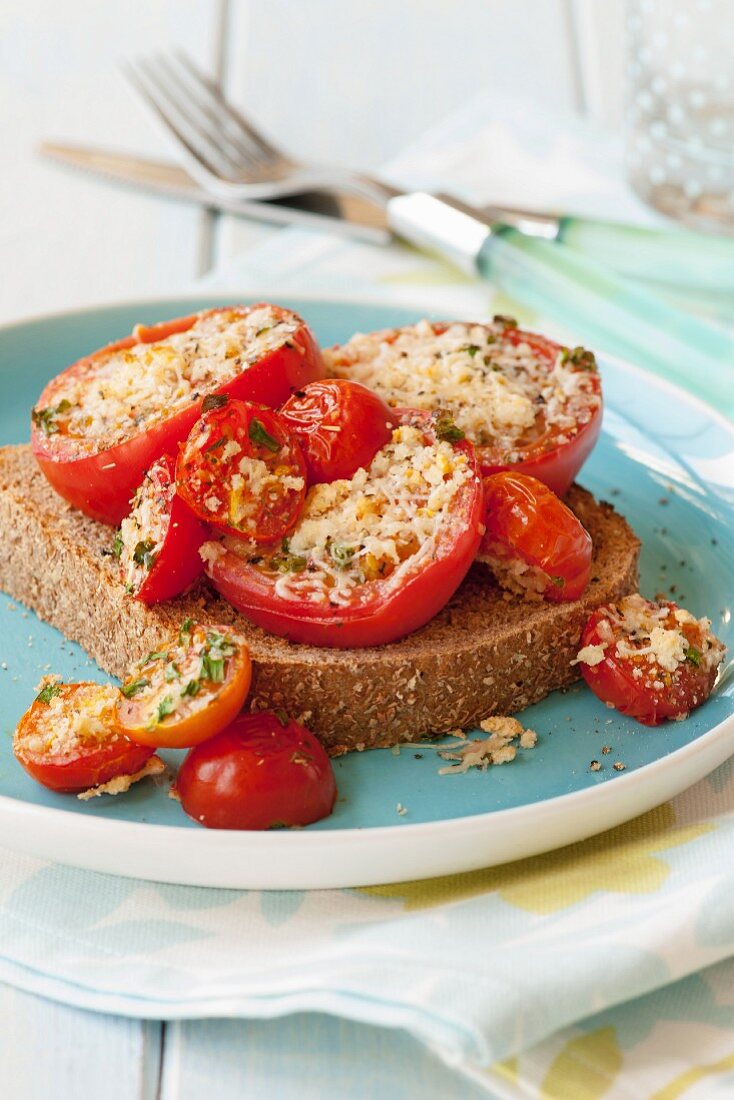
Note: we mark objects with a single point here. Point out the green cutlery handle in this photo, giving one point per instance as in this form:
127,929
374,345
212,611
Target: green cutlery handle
671,257
612,314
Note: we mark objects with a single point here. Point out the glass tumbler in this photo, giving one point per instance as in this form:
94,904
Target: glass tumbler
680,108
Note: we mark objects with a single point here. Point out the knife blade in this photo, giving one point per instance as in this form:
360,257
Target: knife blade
350,215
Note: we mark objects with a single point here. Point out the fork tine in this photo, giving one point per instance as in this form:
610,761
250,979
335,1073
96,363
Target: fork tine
185,128
245,127
246,153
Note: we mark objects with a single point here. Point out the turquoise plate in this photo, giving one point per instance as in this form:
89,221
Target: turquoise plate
665,460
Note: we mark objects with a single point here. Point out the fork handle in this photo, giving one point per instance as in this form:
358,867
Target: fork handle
580,294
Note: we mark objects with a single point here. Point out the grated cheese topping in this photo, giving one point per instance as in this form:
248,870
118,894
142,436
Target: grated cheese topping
498,391
123,393
143,532
659,637
516,575
74,715
377,525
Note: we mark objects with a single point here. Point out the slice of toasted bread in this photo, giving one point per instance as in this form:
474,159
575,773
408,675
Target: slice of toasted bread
485,653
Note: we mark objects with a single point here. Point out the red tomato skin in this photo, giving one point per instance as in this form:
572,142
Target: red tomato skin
75,773
255,774
178,564
529,520
102,484
364,419
385,617
612,682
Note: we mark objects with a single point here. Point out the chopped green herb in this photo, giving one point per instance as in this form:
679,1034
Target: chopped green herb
259,435
117,546
579,357
46,694
288,563
192,688
559,582
215,445
470,349
172,672
503,319
134,688
341,555
165,707
446,429
156,655
693,656
212,668
45,419
282,717
214,401
143,553
263,330
184,634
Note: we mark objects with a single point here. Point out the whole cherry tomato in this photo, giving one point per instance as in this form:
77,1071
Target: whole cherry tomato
261,772
533,542
340,425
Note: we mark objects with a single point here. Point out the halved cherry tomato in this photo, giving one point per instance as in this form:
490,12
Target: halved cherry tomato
650,660
340,425
373,559
101,423
70,740
188,689
158,543
524,401
243,471
259,773
533,542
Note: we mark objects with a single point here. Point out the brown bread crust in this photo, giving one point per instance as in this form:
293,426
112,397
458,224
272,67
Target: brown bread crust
485,653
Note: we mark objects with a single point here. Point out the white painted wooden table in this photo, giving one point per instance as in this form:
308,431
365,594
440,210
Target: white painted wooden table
392,68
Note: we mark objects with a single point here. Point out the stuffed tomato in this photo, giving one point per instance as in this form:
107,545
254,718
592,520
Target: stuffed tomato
372,558
101,423
525,402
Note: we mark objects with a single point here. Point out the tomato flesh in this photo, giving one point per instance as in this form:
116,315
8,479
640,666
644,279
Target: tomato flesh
243,471
259,773
380,608
635,682
527,524
188,690
159,541
100,478
70,740
341,425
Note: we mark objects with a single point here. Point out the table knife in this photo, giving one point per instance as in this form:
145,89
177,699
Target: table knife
349,215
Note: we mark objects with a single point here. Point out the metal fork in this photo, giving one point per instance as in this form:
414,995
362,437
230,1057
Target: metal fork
223,150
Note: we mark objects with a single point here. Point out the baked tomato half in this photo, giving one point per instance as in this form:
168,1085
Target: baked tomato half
341,425
525,402
70,739
649,660
188,689
158,543
371,558
262,772
101,423
533,543
243,470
